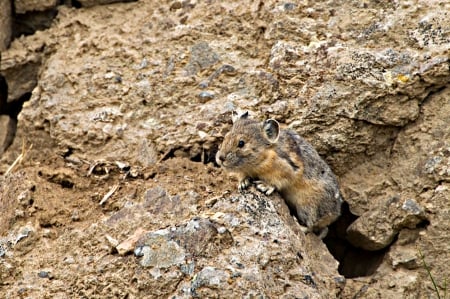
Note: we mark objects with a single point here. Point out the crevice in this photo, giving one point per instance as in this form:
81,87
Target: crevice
30,22
12,110
76,4
353,262
195,153
431,91
58,178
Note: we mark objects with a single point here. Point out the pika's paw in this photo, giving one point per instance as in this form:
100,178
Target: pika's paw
322,233
304,229
267,189
244,184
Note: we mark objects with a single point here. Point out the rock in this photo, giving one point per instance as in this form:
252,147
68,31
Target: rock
199,237
19,242
375,230
7,132
6,269
209,277
158,251
20,70
262,247
205,96
404,256
90,3
122,83
16,192
5,24
129,244
202,57
23,6
43,274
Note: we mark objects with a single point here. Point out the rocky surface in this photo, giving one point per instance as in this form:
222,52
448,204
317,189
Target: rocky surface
129,102
5,24
23,6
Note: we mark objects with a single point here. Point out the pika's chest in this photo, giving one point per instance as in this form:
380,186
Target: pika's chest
277,171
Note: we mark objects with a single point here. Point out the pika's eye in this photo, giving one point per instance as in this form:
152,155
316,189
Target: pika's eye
241,143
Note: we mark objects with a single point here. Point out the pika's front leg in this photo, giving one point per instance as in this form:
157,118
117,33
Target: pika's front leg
264,188
244,183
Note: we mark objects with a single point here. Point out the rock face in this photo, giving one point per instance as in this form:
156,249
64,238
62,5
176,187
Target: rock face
376,229
23,6
5,24
130,101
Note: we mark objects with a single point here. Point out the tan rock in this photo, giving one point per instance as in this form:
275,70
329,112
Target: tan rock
5,24
23,6
376,229
7,131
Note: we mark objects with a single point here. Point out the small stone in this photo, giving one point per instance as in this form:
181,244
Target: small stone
210,276
113,242
222,230
412,207
69,260
139,251
75,216
143,64
157,251
130,243
289,6
202,57
202,134
188,268
205,96
43,274
109,75
117,79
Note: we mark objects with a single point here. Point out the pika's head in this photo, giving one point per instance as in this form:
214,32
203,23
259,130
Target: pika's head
243,148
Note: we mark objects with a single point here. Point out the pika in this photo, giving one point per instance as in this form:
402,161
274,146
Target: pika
281,160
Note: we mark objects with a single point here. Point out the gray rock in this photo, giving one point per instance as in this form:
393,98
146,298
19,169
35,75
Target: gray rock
43,274
159,252
197,238
202,56
210,277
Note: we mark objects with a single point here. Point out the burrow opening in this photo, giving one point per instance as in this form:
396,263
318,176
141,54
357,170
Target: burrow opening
353,261
195,154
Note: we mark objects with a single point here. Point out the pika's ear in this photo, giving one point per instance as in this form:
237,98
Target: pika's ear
271,130
235,116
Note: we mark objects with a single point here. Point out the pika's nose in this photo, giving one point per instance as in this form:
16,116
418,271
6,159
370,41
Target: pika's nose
220,158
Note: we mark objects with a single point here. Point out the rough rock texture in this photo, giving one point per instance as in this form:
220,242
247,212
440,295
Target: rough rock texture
5,24
376,229
7,127
89,3
20,68
23,6
131,98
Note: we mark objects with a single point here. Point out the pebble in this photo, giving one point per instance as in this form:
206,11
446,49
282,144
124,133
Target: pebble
43,274
205,96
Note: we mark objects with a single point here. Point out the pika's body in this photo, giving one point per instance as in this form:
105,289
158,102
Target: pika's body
281,160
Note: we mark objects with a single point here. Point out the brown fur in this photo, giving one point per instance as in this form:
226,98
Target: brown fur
283,160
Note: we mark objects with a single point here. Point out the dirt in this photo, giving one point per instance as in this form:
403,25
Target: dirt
109,188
